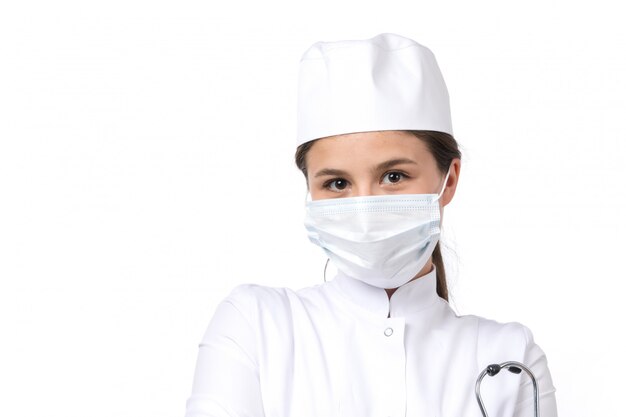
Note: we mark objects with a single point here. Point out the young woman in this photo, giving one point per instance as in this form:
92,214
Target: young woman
375,145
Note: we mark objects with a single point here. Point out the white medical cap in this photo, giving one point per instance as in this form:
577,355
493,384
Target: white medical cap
388,82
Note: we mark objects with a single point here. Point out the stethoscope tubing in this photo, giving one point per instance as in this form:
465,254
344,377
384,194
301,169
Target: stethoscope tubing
514,367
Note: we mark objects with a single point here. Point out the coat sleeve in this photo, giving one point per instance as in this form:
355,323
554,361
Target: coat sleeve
226,379
535,359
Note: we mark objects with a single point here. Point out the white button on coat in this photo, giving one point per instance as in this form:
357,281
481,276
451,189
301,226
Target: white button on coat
343,348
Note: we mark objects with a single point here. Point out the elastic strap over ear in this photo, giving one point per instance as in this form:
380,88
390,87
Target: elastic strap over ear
443,187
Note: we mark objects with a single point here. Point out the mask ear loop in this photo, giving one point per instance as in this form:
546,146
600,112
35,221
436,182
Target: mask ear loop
307,198
326,266
445,182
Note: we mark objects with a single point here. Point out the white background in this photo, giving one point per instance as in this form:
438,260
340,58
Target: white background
146,168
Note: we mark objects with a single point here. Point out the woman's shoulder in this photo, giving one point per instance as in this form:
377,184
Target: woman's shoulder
268,294
499,341
503,341
250,292
494,329
252,297
495,332
260,300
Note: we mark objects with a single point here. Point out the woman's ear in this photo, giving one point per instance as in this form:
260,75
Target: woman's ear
453,180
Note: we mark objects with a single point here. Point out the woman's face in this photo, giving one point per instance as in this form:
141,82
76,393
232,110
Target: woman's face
375,163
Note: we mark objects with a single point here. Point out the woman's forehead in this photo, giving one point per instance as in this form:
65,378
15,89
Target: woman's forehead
369,146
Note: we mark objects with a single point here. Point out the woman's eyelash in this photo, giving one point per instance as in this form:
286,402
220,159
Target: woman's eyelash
403,175
344,183
328,183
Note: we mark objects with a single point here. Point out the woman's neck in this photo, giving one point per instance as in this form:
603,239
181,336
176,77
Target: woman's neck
425,270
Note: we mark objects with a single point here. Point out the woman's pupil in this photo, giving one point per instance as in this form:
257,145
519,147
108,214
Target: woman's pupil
394,177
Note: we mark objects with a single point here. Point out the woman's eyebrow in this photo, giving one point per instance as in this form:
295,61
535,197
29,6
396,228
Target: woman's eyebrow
380,167
330,171
393,162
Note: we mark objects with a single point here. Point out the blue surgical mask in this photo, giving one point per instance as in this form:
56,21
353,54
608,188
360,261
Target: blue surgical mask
382,240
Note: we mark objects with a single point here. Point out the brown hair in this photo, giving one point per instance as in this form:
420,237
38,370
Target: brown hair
444,149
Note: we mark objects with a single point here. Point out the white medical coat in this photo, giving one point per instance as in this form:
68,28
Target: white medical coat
343,348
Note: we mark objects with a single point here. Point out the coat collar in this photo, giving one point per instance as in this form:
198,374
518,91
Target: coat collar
408,299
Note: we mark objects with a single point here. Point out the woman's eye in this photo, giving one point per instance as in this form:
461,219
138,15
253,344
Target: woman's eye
393,177
338,184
